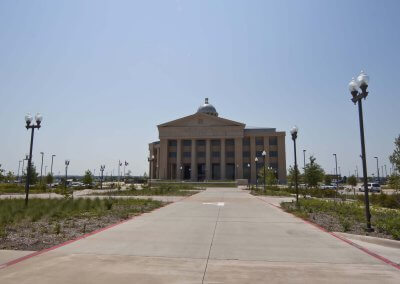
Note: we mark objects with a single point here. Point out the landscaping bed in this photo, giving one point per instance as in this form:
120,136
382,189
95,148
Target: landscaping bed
347,217
161,189
270,191
48,222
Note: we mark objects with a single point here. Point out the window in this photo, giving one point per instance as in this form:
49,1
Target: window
215,142
230,142
187,154
172,154
259,153
201,142
187,142
230,154
274,166
246,141
273,140
171,142
273,153
215,154
246,154
201,154
259,141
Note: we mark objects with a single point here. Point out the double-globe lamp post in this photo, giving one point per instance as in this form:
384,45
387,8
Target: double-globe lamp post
66,173
256,163
29,125
294,131
377,169
354,87
150,159
264,154
102,168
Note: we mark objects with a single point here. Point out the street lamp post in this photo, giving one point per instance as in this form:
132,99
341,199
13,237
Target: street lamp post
294,131
102,167
264,154
180,175
41,168
51,168
256,163
125,164
19,165
304,160
336,172
362,83
249,174
386,171
377,169
29,125
66,172
150,159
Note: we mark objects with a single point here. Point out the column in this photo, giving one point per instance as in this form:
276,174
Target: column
162,167
158,163
150,163
223,163
178,159
239,157
208,159
281,159
193,172
253,172
266,148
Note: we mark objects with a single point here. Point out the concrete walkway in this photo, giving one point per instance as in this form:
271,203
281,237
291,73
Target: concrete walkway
218,236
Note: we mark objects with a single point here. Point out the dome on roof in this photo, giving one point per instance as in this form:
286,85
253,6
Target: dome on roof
207,108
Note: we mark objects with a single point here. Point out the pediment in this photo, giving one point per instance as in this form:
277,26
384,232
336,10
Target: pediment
201,120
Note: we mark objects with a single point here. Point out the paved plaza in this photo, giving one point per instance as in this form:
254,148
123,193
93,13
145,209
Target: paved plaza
221,235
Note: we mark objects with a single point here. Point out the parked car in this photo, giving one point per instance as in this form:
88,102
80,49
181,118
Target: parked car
372,187
325,186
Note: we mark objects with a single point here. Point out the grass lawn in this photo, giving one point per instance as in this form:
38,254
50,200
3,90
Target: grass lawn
160,189
47,222
347,217
270,191
19,189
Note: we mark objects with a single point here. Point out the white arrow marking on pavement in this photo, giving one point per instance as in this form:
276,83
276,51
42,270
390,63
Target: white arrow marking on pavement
215,203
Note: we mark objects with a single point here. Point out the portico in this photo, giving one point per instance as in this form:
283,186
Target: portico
204,146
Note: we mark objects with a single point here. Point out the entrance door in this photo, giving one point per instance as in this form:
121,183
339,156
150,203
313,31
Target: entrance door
230,171
186,172
201,172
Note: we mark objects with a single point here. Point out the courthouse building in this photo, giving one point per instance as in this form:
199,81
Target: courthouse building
204,146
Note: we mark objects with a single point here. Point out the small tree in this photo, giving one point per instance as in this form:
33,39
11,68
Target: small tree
1,174
270,176
291,176
352,180
313,173
328,180
395,157
49,178
394,181
33,175
88,178
10,177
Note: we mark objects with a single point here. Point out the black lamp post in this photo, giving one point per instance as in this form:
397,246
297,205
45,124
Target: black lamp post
19,165
180,175
354,86
51,168
41,168
66,172
150,159
256,164
264,154
304,160
294,131
29,125
102,167
125,164
377,169
249,174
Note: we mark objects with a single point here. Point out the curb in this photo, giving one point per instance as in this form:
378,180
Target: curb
367,251
36,253
372,240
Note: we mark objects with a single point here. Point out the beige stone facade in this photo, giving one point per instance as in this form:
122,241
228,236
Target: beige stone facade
204,146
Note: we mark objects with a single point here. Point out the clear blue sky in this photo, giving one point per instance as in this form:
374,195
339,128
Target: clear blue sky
105,73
